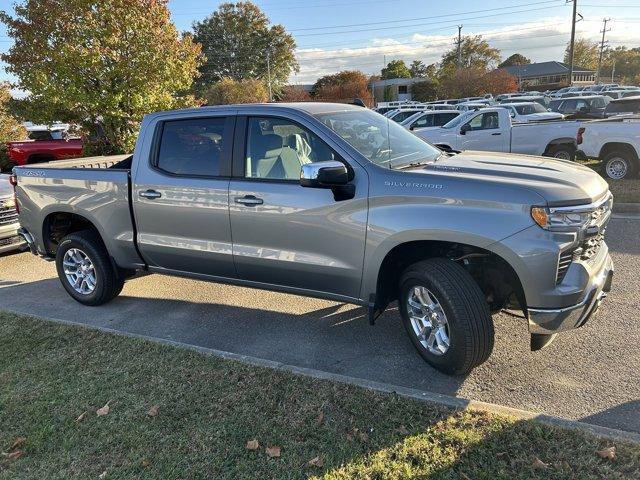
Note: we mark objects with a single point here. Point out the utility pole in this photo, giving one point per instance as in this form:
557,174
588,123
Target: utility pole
573,39
269,75
604,30
459,46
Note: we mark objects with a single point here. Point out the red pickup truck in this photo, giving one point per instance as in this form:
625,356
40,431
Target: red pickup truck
43,146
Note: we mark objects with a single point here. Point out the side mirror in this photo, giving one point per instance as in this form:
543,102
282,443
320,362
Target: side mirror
412,127
464,129
327,174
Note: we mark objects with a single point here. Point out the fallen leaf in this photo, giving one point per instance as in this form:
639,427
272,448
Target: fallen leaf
103,474
273,452
465,476
101,412
320,418
316,462
252,445
81,417
608,453
17,442
153,411
145,463
13,455
539,464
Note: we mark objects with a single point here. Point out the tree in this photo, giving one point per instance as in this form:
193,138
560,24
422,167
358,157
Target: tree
396,69
293,93
425,91
475,53
239,43
585,54
229,91
515,59
343,87
107,61
498,81
627,64
10,128
418,69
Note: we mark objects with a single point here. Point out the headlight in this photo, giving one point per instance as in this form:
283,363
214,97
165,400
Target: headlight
561,219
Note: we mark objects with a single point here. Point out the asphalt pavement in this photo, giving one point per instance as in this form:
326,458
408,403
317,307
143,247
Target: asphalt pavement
591,374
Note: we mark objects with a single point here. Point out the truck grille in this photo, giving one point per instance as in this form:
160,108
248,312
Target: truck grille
564,262
8,212
587,250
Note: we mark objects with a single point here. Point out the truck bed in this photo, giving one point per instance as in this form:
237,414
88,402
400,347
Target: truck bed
93,188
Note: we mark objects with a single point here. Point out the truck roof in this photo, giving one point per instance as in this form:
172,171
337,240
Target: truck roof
311,108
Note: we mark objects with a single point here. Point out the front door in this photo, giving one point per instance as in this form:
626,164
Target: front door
181,200
288,235
486,134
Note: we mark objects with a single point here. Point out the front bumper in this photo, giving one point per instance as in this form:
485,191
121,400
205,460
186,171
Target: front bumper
548,321
10,239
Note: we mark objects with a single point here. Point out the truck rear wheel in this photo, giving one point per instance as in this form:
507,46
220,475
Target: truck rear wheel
85,270
446,315
619,164
562,151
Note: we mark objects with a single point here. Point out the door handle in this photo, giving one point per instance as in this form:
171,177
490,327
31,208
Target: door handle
150,194
497,133
249,200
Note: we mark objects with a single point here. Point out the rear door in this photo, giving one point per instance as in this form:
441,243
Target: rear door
285,234
485,133
181,195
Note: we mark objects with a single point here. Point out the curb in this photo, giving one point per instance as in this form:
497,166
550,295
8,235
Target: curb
626,207
455,403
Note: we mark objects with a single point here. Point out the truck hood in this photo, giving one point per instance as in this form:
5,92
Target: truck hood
559,182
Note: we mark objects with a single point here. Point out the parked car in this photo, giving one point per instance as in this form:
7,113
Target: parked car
524,112
440,106
615,141
404,113
333,201
586,107
9,238
467,106
623,106
491,129
630,93
541,99
44,144
431,118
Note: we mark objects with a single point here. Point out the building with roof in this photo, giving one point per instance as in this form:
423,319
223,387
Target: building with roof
550,75
393,89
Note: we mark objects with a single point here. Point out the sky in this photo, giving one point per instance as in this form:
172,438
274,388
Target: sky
334,35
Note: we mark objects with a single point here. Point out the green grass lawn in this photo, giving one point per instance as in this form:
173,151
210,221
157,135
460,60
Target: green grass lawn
209,408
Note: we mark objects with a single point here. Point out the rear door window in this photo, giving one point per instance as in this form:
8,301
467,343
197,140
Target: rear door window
192,147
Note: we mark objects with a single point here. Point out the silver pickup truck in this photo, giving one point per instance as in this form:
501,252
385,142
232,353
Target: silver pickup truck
332,201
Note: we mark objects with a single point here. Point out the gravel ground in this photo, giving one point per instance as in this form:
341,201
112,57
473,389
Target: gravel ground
592,374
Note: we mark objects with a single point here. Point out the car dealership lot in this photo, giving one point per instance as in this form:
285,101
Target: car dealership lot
590,374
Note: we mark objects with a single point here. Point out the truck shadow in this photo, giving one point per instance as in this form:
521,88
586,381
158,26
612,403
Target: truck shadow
327,336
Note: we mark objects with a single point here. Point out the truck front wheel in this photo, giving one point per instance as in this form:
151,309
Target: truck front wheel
446,315
85,270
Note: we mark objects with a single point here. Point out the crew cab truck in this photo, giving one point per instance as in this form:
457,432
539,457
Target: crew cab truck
615,141
491,129
339,202
44,145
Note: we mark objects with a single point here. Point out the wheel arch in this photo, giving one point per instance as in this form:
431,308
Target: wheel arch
560,141
495,275
612,146
57,224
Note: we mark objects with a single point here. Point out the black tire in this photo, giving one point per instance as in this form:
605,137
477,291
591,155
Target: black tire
629,164
562,151
109,282
470,326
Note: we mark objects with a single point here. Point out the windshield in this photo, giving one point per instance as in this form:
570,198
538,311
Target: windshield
459,120
381,140
530,109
